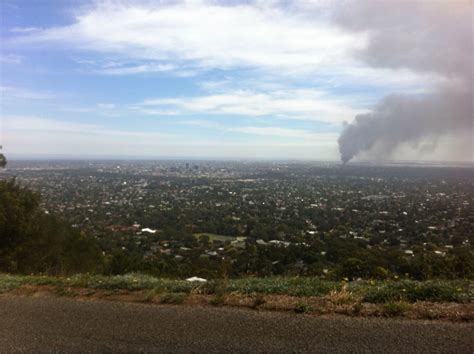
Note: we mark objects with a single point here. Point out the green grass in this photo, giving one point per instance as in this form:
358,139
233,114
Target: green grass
9,282
293,286
118,282
368,291
411,291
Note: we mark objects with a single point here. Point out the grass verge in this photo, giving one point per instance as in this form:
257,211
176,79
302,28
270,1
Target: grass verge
445,299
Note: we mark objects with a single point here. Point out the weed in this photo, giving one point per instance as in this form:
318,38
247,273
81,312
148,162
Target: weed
218,287
258,300
409,290
303,307
293,286
392,309
9,283
217,300
341,297
150,295
427,313
357,308
63,291
173,298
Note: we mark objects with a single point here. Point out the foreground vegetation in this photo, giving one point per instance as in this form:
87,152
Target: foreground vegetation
460,291
443,300
33,241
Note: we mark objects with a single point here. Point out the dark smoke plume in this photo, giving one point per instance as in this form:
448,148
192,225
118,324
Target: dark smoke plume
426,37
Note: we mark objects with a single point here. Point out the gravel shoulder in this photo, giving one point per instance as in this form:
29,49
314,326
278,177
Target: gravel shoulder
62,324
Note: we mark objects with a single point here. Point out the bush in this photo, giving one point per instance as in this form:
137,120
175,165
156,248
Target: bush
218,287
217,300
32,242
433,291
357,308
409,290
303,307
341,297
392,309
150,295
173,298
258,300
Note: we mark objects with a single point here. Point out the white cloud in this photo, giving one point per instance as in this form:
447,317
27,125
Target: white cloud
201,123
10,92
189,36
185,36
22,123
106,105
25,29
291,104
291,134
210,34
10,59
330,138
136,69
100,109
55,127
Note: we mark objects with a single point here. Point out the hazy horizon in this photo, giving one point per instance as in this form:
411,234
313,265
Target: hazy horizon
111,158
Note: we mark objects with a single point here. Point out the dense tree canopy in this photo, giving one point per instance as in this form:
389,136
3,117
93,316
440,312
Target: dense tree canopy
32,241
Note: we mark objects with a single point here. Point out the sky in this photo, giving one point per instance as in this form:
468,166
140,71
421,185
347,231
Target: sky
207,79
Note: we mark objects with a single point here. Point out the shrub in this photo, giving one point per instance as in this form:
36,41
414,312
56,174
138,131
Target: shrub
149,296
218,287
428,314
33,242
341,297
357,308
217,300
258,300
303,307
173,298
392,309
434,290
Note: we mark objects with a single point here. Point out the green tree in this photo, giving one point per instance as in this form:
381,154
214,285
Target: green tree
31,241
3,161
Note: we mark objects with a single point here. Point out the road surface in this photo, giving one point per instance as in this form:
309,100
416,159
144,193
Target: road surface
61,324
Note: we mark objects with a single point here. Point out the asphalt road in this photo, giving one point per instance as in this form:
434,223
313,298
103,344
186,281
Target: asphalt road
61,324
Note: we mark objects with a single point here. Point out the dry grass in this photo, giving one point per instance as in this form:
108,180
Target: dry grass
342,296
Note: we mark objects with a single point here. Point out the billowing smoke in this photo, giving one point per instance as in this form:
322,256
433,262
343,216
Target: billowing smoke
404,118
433,38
